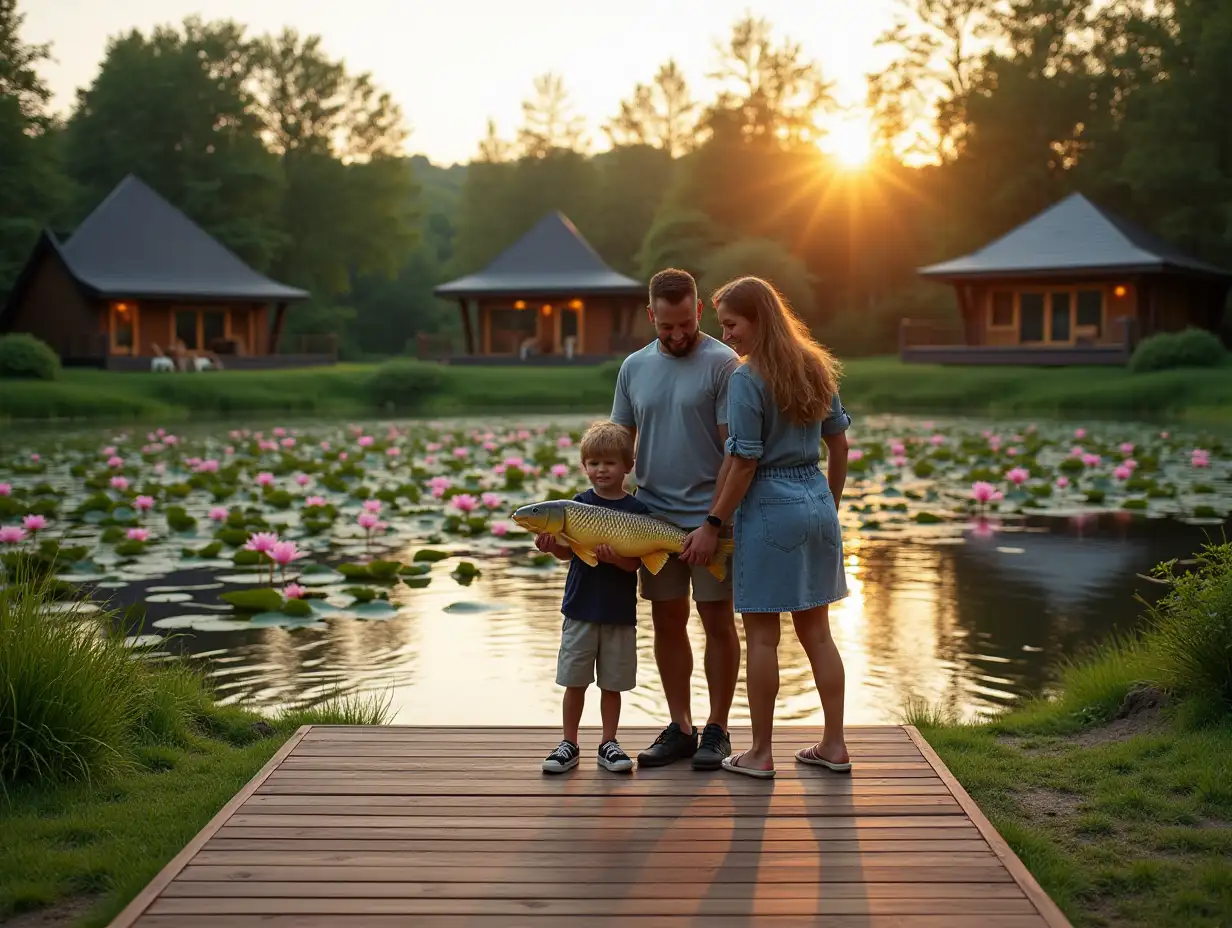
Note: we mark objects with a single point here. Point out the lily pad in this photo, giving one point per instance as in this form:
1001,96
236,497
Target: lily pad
430,554
264,600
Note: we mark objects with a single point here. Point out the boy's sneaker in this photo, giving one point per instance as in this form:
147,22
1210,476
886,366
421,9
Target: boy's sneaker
613,757
671,745
715,745
565,757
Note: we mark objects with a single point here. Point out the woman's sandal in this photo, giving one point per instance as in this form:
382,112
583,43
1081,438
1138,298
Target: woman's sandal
729,763
808,756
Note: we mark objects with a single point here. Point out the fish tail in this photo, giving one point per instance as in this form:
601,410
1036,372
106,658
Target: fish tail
718,563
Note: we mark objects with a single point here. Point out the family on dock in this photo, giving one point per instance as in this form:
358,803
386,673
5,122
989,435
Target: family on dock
720,436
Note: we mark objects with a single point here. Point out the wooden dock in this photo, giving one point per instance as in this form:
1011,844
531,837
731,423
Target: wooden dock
388,826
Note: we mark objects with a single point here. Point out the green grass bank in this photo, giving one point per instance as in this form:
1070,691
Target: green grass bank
1117,792
870,384
109,766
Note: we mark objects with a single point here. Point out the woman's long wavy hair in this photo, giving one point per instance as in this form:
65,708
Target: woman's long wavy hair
801,374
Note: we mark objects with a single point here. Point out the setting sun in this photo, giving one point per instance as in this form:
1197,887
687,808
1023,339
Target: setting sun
850,142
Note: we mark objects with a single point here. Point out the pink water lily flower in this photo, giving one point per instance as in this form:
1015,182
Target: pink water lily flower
265,479
115,461
170,440
315,501
303,479
365,441
34,523
1018,476
368,520
287,442
261,542
464,502
499,529
108,451
937,440
36,457
143,503
372,505
564,441
119,483
1080,434
461,452
898,461
897,448
559,470
218,514
208,466
432,447
12,534
490,500
1121,472
393,452
1091,460
984,492
279,432
138,534
515,462
489,446
1127,447
160,468
1200,457
1062,482
6,489
285,552
293,591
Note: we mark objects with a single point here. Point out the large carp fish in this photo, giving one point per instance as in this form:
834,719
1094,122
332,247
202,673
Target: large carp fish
584,527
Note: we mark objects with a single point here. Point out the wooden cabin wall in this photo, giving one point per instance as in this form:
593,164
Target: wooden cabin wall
53,309
990,306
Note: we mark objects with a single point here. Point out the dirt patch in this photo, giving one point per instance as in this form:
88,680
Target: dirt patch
62,914
1047,803
1139,714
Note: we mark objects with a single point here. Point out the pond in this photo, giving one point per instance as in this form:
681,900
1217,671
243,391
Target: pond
979,554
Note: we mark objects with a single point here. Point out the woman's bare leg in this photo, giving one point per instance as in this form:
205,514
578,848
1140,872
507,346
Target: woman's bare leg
761,632
813,630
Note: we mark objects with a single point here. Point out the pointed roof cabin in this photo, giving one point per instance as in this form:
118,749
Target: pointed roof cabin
548,295
1075,284
138,276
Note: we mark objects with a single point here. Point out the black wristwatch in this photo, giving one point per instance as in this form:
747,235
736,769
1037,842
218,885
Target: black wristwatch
714,520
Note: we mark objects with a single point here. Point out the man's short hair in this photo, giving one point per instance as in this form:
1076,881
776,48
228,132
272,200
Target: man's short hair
673,285
606,438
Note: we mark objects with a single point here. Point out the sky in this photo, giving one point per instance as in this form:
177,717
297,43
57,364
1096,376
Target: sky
453,64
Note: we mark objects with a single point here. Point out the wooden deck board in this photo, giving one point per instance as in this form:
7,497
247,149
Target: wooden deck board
436,826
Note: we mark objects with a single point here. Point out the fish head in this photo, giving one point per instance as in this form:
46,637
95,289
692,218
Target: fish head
542,518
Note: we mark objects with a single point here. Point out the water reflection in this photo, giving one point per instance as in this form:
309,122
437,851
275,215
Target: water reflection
972,618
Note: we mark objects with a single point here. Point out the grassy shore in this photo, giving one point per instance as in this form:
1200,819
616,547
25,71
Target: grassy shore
1117,793
109,766
872,384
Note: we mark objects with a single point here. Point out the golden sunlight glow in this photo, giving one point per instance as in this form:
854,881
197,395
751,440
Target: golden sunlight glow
850,141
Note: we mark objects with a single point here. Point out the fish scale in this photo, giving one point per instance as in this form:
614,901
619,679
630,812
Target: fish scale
585,527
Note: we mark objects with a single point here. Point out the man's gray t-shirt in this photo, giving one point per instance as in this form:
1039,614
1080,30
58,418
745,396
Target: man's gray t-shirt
677,406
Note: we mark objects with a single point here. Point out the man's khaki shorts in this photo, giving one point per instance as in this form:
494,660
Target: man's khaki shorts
590,650
676,577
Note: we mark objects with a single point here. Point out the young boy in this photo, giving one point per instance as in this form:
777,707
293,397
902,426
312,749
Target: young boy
600,607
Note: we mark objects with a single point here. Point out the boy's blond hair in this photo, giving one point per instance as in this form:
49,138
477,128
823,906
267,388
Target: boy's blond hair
607,438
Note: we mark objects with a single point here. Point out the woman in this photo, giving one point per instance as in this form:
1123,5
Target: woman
783,403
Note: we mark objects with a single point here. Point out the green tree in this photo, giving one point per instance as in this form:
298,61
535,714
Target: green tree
762,258
662,114
33,189
548,120
683,238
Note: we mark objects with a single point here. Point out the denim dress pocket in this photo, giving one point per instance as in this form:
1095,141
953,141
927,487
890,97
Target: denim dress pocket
785,521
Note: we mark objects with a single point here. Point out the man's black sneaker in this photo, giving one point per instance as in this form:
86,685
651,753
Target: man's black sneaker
613,757
671,745
565,757
715,745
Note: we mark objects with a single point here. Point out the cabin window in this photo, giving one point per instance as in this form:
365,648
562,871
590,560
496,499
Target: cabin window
186,328
213,327
1030,317
1002,314
1090,313
1059,323
122,326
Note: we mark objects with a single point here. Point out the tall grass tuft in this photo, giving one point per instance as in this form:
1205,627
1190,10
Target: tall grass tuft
67,696
1190,635
352,709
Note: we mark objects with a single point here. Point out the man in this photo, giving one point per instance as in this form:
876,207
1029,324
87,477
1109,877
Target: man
672,395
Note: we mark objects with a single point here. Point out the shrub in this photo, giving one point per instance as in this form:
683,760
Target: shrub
762,258
1190,348
25,356
404,383
1190,634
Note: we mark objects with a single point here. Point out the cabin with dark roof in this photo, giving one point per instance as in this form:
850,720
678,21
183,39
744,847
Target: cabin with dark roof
137,280
1073,285
547,299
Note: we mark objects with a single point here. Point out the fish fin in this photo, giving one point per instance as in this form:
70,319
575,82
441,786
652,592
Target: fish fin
654,561
582,551
718,563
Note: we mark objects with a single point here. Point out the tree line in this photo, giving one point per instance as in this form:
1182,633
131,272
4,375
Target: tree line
987,113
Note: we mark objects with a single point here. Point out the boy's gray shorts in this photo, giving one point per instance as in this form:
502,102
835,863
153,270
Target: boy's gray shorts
590,650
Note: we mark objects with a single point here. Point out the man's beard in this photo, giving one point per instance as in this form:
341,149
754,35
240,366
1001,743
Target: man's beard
685,349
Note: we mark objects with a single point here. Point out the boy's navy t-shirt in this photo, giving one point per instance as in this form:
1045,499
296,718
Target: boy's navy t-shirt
605,592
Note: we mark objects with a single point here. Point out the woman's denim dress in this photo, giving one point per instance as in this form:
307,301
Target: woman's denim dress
789,547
